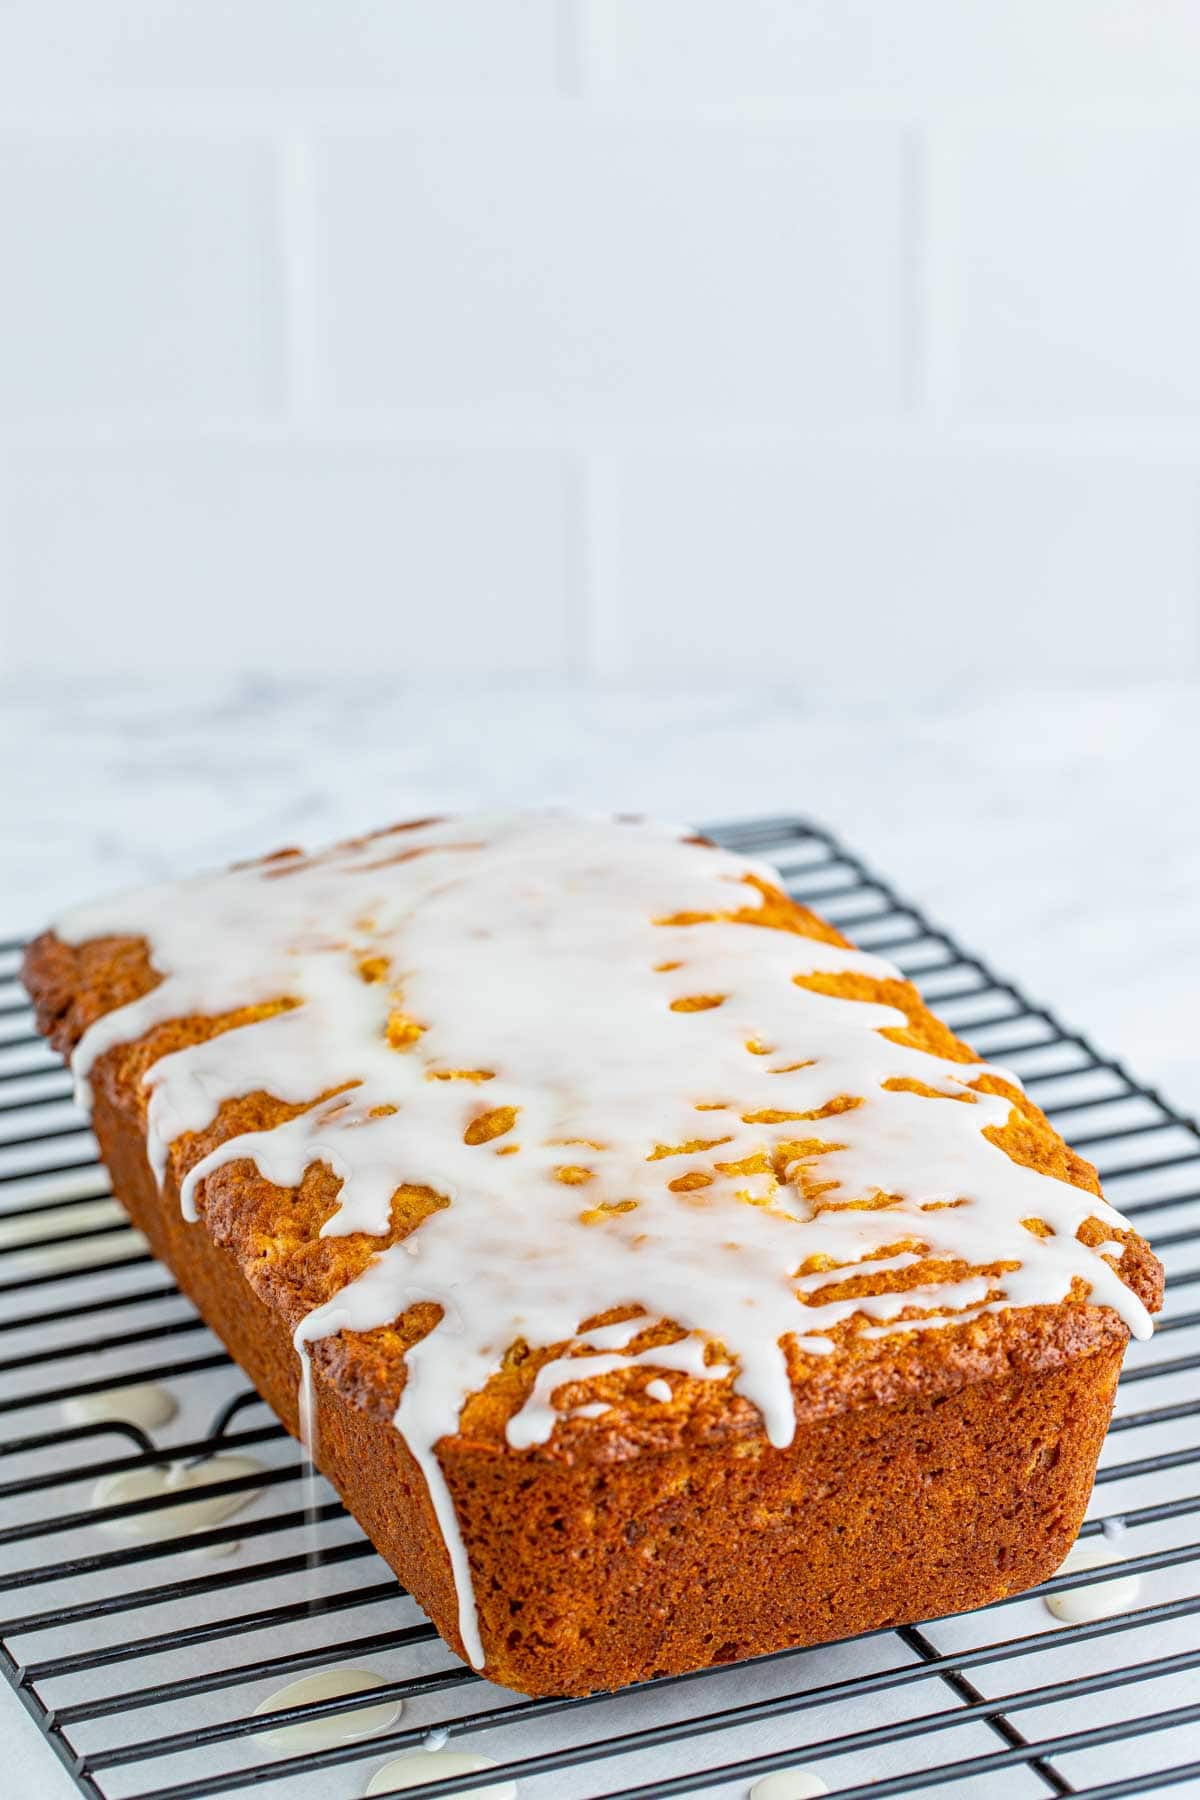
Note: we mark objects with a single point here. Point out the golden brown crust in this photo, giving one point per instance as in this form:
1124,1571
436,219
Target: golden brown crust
258,1266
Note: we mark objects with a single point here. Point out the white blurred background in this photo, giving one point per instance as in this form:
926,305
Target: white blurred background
820,346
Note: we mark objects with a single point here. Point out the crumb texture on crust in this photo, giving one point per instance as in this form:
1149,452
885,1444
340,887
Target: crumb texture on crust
514,1121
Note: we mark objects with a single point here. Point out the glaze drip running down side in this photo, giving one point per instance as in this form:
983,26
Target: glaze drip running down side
627,1098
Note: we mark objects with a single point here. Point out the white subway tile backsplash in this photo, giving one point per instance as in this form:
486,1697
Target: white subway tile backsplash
1076,264
598,270
409,47
840,572
140,278
309,561
1018,51
712,338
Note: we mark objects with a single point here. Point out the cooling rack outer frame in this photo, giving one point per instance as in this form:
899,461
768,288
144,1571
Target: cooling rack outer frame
48,1162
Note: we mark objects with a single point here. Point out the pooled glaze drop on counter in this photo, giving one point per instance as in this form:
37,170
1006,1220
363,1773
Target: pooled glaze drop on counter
330,1728
142,1403
422,1766
197,1510
1099,1599
789,1784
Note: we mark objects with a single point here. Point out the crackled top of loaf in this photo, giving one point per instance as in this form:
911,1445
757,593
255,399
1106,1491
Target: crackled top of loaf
555,1076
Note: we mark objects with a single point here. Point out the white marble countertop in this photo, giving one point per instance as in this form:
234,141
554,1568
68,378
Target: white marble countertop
1057,833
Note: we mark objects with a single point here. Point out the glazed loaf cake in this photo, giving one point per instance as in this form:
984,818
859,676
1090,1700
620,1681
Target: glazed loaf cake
658,1282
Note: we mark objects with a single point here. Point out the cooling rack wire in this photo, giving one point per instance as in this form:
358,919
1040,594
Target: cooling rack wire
141,1662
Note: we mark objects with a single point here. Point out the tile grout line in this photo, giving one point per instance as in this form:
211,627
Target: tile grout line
297,239
936,278
571,38
914,284
579,589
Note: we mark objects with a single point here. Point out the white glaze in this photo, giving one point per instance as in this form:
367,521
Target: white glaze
197,1513
422,1766
788,1784
528,947
142,1403
1100,1599
334,1728
659,1390
310,1442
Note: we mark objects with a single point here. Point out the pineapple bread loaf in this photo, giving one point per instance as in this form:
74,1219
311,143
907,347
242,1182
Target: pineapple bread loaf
656,1279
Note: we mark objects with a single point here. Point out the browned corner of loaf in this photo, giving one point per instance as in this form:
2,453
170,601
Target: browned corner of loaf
49,970
73,985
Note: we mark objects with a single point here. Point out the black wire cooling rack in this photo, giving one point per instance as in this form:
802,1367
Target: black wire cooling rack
142,1663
